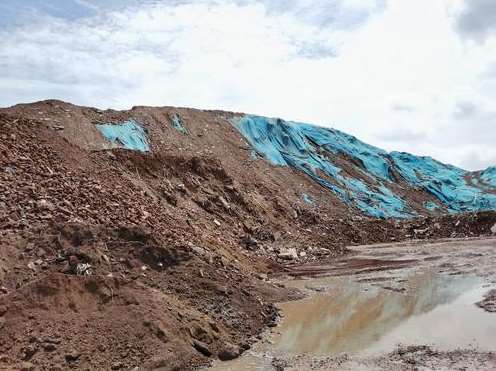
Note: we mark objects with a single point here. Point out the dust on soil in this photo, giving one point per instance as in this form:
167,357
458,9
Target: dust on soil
113,259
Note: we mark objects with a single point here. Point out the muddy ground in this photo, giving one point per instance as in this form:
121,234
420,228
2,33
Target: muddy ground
404,306
113,259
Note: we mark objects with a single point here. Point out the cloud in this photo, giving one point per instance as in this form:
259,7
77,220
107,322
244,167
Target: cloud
337,13
464,110
179,52
403,135
396,107
474,160
477,20
364,67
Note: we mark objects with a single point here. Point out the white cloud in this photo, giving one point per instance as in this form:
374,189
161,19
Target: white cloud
398,76
477,19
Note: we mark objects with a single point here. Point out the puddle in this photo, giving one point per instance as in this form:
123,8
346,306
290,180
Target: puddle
433,310
363,320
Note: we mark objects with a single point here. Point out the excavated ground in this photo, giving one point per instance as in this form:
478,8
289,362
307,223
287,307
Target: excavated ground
114,259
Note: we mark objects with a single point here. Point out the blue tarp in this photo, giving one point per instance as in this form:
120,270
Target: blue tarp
128,135
431,206
446,182
177,123
309,148
488,176
314,150
307,199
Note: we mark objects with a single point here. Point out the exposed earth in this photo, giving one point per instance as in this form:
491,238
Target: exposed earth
157,238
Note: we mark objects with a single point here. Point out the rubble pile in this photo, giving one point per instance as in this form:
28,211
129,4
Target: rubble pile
116,254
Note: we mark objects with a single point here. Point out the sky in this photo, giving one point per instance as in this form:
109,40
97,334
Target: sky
406,75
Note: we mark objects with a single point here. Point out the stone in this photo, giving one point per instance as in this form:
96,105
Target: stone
72,356
229,353
287,254
49,347
117,366
73,261
44,205
28,351
224,203
26,366
493,229
249,242
202,348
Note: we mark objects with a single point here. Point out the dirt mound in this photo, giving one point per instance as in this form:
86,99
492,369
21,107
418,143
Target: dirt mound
61,322
110,257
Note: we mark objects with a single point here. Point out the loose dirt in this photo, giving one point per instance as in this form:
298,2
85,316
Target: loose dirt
115,259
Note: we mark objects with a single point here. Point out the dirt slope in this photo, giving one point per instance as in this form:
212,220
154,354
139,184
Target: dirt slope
114,259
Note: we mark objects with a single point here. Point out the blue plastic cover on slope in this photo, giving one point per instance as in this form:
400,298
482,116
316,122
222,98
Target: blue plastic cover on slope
488,176
177,124
128,135
431,206
307,199
446,182
302,147
310,149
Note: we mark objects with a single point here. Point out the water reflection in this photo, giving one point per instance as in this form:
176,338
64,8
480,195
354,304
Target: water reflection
437,310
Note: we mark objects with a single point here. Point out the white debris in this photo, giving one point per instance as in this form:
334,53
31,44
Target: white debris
287,254
83,269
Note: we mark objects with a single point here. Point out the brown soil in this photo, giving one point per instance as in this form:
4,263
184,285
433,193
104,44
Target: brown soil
112,259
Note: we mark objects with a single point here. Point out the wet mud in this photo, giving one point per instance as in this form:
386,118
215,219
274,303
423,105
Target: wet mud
392,306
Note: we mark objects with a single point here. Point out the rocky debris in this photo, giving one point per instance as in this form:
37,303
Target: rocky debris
229,352
249,242
493,229
94,239
72,356
489,302
287,254
407,358
202,348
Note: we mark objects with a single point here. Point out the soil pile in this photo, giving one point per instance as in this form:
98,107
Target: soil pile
113,258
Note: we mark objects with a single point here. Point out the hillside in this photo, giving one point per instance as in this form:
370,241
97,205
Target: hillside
155,231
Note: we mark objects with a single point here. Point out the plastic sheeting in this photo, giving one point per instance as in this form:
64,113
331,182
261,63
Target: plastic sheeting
488,176
311,149
431,206
308,148
128,135
446,182
307,199
177,123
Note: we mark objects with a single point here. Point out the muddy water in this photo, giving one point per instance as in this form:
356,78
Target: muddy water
434,310
365,320
368,315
